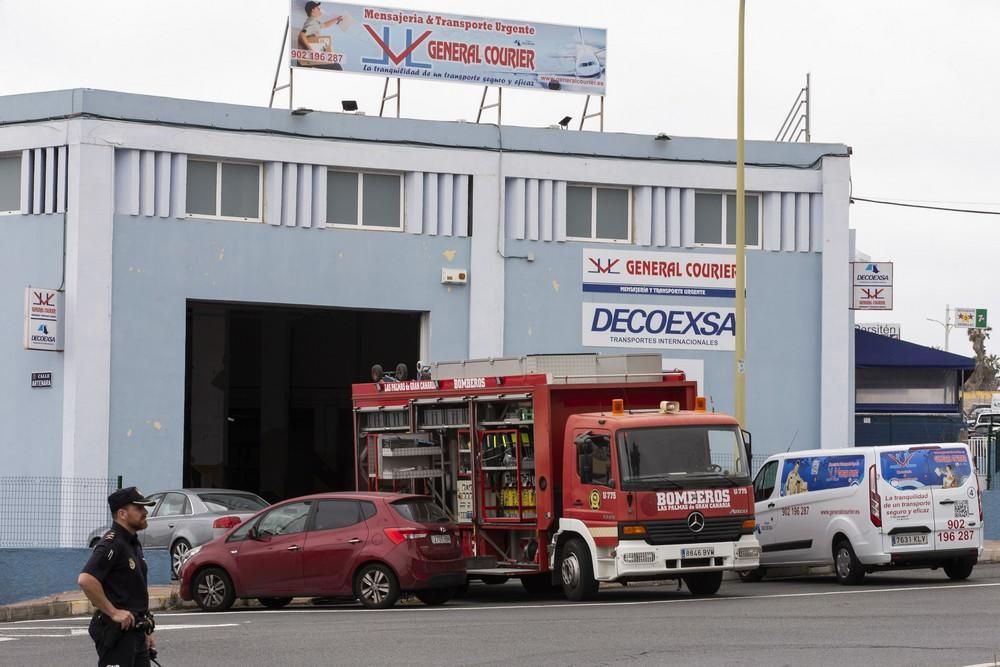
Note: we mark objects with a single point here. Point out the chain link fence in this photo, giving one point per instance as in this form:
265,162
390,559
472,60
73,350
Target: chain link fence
52,512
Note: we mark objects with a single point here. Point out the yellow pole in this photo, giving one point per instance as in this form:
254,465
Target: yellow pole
741,216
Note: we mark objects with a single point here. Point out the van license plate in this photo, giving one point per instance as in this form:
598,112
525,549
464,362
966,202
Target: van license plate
907,540
441,539
698,552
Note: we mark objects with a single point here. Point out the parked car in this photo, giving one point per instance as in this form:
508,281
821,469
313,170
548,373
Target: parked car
869,508
366,546
186,518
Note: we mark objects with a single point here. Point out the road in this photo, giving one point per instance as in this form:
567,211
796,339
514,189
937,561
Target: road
901,618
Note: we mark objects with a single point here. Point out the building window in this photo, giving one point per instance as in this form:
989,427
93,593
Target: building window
598,213
363,199
224,190
10,184
715,219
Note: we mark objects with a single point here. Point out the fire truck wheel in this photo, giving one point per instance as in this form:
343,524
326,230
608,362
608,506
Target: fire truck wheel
704,583
751,576
494,579
539,584
846,565
577,572
435,596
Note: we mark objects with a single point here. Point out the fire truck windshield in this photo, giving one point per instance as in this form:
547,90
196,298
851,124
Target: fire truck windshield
675,454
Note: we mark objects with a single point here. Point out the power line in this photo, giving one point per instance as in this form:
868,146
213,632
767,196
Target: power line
924,206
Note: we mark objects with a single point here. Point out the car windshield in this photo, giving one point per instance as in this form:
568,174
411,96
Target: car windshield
232,502
420,510
674,454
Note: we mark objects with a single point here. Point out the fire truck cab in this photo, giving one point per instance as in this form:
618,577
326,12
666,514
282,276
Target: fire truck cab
567,470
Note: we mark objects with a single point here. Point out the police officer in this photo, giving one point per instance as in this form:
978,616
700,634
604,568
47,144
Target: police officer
114,580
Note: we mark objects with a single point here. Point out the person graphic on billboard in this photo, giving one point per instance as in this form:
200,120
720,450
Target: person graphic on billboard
311,37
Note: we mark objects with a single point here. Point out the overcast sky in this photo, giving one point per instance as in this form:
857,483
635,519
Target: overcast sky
912,86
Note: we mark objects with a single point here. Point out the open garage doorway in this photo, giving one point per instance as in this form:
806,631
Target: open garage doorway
268,392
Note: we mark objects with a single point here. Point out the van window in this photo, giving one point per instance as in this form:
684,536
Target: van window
819,473
947,468
763,485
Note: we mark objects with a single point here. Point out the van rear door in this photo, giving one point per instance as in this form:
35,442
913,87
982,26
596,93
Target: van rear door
929,498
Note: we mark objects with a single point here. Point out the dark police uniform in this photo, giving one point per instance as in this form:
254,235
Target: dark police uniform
118,563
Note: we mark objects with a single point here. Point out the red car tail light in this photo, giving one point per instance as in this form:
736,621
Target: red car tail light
226,522
874,500
398,535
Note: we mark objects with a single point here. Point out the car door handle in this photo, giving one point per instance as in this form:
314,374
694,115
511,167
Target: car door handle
294,547
170,525
770,505
946,502
354,540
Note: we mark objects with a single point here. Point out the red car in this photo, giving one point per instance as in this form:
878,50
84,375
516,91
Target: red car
365,546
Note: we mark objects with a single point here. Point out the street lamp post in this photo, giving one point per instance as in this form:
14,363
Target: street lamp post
740,356
946,324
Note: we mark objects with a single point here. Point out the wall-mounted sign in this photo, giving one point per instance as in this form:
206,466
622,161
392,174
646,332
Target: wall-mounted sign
43,315
890,329
430,46
871,285
656,326
970,318
659,273
42,379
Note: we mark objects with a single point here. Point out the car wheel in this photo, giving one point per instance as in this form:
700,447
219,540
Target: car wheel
846,565
177,552
274,603
959,568
213,590
577,572
376,586
751,576
703,583
539,584
435,596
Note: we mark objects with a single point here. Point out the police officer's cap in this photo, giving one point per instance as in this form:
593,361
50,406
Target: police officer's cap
127,496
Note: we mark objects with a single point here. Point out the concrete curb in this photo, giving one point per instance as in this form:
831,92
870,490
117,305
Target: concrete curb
73,603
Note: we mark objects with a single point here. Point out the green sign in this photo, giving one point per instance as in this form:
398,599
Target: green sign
980,318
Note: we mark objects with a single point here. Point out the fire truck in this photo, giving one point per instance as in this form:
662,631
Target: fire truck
567,470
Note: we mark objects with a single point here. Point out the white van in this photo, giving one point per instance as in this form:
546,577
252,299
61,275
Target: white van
869,508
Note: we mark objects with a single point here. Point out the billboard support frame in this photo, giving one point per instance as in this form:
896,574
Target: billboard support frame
277,70
386,97
597,114
498,105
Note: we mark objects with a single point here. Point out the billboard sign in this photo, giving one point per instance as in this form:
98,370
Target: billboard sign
43,315
871,285
432,46
659,273
970,318
656,326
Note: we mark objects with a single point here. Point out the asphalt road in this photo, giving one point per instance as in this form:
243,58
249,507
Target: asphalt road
905,618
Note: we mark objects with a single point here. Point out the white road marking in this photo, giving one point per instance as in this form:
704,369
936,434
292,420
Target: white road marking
564,605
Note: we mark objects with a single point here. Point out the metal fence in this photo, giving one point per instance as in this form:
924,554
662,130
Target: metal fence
50,512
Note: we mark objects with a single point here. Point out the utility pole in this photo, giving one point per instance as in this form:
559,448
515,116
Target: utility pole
741,248
948,326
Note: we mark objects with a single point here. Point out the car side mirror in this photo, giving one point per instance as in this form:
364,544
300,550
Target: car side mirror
747,441
254,534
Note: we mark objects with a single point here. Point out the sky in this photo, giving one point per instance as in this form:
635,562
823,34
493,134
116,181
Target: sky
912,86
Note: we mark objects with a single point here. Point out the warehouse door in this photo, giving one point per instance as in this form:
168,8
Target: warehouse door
268,392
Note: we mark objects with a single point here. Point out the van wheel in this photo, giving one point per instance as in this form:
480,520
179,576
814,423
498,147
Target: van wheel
846,565
959,568
703,583
577,572
751,576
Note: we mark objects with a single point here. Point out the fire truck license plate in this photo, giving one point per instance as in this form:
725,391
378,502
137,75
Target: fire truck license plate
441,539
698,552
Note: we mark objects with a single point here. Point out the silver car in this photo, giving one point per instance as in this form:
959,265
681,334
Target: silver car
185,518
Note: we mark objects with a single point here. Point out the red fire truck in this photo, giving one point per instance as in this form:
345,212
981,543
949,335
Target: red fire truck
567,480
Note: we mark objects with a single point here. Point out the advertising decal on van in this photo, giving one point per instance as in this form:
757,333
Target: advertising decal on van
819,473
921,468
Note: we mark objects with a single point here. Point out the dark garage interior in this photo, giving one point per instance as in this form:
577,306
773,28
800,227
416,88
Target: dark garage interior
268,392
